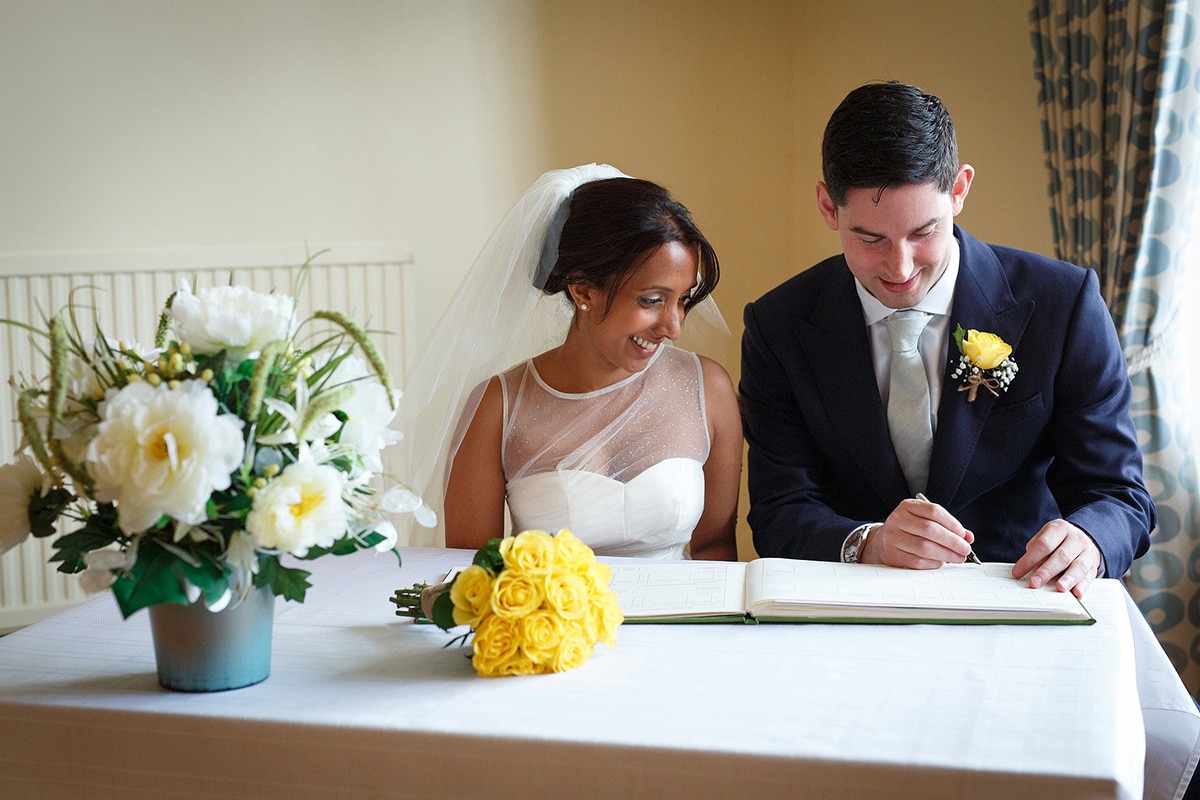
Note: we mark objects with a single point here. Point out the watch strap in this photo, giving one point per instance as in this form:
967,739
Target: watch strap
853,544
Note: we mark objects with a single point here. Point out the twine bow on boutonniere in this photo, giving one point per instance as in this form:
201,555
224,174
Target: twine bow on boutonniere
984,361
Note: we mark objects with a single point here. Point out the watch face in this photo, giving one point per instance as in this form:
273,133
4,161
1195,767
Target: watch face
854,546
851,553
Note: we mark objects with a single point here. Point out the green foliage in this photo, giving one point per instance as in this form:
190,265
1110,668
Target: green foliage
99,531
489,556
959,334
443,611
344,546
151,580
44,510
289,583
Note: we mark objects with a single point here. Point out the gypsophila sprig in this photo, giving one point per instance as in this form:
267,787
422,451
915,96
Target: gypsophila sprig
535,603
191,468
985,360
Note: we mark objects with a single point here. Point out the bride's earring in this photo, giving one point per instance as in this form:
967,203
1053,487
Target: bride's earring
583,306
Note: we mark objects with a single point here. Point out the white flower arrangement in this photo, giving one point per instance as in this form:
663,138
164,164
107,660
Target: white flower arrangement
188,470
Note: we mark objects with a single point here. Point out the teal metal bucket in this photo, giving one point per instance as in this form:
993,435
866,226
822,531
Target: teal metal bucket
197,650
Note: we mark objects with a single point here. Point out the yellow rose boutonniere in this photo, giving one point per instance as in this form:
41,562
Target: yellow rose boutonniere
984,360
534,602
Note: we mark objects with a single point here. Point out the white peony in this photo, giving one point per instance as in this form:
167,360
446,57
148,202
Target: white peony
161,451
299,509
231,318
19,482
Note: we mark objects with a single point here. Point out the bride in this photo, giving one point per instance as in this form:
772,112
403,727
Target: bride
601,426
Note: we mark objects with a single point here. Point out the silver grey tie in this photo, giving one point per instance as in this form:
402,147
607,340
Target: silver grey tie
908,398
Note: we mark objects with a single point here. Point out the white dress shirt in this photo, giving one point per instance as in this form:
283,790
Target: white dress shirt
934,338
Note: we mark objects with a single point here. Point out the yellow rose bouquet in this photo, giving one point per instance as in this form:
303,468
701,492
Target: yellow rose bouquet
535,603
985,360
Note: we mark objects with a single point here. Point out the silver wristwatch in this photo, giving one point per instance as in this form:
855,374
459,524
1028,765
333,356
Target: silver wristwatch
853,546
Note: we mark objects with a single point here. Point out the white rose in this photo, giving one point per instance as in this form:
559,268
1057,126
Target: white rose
162,451
231,318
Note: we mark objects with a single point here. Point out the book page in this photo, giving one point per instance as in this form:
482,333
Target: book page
956,591
680,589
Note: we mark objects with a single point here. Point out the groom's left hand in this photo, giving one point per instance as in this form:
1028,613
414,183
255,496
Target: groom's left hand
1063,553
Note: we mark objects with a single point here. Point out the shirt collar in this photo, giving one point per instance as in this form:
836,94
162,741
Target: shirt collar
936,301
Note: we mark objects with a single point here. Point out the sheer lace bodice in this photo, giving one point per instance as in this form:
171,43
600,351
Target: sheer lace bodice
622,466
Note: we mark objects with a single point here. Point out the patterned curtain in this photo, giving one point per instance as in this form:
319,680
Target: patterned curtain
1119,98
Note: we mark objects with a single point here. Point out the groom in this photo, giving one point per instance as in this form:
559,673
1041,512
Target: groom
1025,456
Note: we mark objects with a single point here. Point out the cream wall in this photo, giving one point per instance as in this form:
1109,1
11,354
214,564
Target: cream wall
131,124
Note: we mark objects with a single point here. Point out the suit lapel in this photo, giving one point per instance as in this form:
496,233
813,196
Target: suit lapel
983,301
839,350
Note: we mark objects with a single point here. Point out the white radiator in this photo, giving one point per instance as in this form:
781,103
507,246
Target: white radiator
366,281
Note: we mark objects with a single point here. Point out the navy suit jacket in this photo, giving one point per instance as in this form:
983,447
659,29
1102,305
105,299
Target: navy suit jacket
1059,443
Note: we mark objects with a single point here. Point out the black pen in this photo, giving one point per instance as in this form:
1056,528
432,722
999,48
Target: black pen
971,555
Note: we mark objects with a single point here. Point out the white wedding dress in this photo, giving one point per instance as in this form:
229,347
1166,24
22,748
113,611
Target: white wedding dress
622,467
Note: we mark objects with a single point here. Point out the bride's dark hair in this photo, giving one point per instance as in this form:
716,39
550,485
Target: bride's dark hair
614,225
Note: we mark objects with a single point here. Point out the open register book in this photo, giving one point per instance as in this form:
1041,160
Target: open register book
787,590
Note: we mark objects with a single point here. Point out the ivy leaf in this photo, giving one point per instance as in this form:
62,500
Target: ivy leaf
341,547
44,511
70,548
152,580
287,582
344,546
209,576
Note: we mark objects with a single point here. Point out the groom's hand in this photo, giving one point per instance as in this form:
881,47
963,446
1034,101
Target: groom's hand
918,534
1063,553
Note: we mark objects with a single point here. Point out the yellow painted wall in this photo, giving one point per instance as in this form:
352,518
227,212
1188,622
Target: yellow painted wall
725,103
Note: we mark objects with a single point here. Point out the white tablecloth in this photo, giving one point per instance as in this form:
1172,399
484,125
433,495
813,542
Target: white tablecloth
363,704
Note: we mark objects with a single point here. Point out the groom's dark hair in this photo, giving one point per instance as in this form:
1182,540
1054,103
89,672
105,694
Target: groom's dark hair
888,134
614,225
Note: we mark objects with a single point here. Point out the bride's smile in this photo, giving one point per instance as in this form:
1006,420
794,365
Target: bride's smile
645,345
